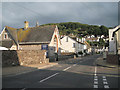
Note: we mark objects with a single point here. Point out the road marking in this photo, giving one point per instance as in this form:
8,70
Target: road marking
95,70
66,68
74,64
104,79
105,82
95,79
95,82
49,77
104,76
95,86
106,86
95,74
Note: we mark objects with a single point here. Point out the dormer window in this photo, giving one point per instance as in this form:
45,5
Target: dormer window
5,36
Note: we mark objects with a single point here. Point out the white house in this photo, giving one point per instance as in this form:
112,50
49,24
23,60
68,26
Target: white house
112,44
116,37
69,44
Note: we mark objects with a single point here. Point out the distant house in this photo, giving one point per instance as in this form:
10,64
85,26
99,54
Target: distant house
74,45
93,39
34,38
68,44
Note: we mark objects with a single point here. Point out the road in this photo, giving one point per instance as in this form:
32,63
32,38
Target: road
73,73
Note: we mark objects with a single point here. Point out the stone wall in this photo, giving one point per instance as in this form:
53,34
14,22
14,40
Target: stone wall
113,59
9,58
63,57
30,47
23,57
60,57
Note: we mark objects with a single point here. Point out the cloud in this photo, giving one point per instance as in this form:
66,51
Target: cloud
100,13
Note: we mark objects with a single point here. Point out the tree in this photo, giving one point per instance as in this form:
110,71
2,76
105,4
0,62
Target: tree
104,30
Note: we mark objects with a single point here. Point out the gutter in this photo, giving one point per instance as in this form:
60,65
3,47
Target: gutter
34,42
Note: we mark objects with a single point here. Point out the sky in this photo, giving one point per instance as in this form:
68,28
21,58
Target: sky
94,13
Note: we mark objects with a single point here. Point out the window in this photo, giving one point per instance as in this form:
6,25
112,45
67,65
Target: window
46,54
5,36
66,39
111,38
55,40
73,45
44,47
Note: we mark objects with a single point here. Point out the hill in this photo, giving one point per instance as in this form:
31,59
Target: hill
80,29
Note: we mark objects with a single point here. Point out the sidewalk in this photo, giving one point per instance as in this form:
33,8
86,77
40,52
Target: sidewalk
101,62
17,70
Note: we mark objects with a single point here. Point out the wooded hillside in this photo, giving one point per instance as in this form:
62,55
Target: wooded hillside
79,29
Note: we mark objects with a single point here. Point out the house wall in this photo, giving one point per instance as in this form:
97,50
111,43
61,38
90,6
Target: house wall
118,41
112,44
23,57
30,47
14,47
52,45
68,46
3,34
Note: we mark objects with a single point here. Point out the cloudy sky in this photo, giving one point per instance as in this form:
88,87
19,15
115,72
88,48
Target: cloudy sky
94,13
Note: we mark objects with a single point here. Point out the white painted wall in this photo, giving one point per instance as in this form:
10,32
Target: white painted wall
112,43
68,46
52,45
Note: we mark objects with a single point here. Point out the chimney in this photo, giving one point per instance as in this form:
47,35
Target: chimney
26,24
37,24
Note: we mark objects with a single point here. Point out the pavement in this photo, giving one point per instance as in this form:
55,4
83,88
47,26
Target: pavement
17,70
101,62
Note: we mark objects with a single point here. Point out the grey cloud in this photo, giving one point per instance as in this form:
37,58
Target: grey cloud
14,14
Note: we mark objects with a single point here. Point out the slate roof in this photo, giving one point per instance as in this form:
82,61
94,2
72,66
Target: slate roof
6,43
41,34
74,38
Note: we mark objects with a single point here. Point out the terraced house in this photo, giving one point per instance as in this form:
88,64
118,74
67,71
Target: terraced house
33,38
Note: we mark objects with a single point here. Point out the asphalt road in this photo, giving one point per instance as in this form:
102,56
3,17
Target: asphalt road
73,73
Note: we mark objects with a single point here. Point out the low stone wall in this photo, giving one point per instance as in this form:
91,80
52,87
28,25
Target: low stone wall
9,58
63,57
113,59
23,57
60,57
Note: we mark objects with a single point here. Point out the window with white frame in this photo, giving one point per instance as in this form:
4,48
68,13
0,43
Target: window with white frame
73,45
